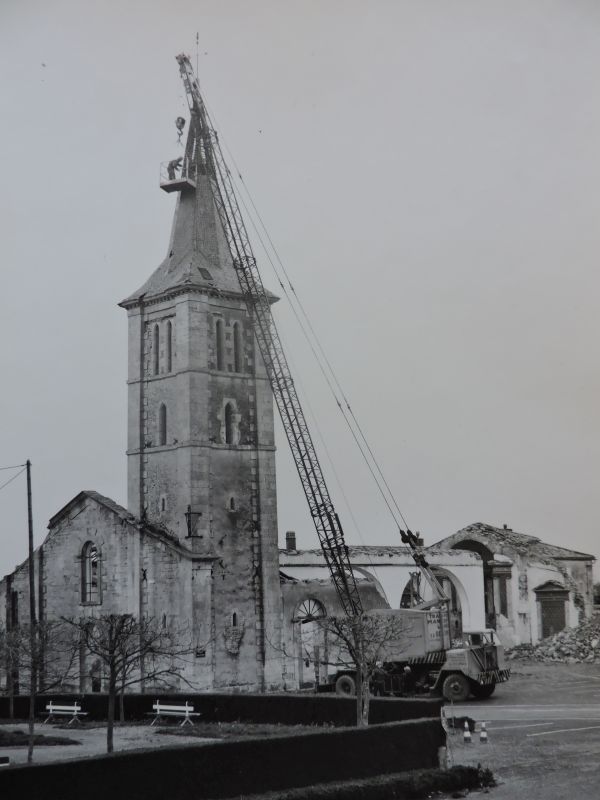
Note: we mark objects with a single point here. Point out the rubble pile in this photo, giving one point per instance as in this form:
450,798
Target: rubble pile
571,646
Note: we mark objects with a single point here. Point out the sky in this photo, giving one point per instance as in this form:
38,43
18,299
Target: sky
429,173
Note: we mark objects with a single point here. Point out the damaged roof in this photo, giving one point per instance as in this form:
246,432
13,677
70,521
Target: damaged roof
522,543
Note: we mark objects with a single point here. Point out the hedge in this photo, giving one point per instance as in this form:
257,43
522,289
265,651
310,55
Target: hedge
398,786
285,709
235,767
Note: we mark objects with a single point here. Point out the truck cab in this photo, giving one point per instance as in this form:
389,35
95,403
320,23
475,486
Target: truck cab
474,665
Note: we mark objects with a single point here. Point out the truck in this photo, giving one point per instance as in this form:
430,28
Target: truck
455,669
423,658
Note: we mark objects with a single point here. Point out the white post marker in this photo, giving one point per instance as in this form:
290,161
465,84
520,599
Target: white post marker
467,734
483,739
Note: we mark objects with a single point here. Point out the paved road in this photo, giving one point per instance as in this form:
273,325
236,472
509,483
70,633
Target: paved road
543,733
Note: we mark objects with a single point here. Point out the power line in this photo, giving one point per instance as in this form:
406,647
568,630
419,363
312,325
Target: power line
16,466
10,480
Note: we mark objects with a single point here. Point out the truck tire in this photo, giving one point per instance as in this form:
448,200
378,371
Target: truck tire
456,687
482,692
345,685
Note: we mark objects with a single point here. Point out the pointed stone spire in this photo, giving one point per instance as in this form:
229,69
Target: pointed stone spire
198,255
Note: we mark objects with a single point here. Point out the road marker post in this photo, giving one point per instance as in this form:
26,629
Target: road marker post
483,737
467,734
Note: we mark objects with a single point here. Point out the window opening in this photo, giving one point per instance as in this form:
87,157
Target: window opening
232,503
234,619
237,348
155,352
220,344
90,574
162,424
14,609
169,346
228,424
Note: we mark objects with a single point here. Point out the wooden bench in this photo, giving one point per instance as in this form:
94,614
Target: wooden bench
161,710
74,711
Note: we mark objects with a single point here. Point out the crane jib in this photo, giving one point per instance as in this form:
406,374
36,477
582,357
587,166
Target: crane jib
326,521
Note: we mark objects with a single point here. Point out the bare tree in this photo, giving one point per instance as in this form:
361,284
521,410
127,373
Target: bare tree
360,644
46,655
132,651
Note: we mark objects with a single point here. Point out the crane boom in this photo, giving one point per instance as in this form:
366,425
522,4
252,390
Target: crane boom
326,521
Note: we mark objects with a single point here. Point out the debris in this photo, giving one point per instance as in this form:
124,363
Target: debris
578,645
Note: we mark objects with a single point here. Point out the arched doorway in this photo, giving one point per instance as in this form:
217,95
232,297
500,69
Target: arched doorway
311,640
449,589
487,557
412,592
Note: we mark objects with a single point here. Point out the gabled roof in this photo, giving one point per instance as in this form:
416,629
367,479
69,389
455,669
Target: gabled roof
99,498
148,527
522,543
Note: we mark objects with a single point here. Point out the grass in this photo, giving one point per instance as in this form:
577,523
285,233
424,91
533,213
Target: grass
237,730
400,786
16,738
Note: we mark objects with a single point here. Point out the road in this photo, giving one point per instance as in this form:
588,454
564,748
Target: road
543,733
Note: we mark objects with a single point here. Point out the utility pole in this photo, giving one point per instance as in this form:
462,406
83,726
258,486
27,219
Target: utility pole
32,620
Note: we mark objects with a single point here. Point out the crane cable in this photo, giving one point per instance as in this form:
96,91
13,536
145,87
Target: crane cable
322,357
407,536
322,440
323,371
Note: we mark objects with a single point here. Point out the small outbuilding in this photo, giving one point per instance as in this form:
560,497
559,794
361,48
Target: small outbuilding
531,589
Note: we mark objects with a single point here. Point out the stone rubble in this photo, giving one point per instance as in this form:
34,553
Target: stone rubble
580,645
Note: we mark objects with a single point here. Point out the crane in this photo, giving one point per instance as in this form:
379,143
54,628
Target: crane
476,666
205,147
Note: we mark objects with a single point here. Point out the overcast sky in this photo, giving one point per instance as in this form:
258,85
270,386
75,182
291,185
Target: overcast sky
429,172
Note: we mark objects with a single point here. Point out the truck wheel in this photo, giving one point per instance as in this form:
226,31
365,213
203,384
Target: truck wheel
345,685
482,692
456,687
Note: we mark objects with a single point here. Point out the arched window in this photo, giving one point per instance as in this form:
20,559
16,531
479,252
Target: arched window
155,350
162,424
232,503
228,424
90,574
237,347
169,346
234,619
220,337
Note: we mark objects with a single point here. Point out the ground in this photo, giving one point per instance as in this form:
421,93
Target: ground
543,733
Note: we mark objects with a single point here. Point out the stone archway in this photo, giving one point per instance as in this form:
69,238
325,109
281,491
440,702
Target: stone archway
451,589
487,558
311,642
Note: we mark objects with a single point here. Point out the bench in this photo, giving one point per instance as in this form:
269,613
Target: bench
161,710
74,711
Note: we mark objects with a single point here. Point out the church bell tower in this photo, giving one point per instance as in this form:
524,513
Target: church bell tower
201,452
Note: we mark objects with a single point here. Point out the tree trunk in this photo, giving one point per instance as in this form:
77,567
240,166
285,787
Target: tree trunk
366,699
359,698
31,716
10,685
110,724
